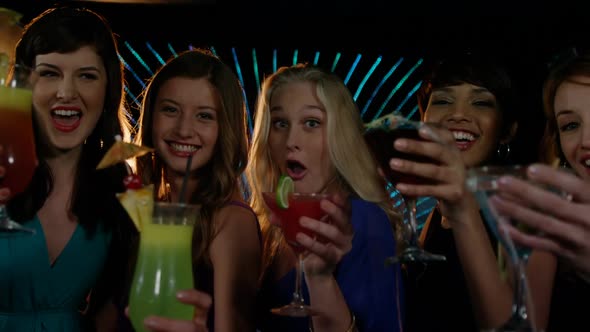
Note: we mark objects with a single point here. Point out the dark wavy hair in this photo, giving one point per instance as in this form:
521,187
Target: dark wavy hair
231,150
63,30
476,69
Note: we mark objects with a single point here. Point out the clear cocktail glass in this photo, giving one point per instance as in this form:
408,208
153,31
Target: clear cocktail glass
380,135
483,182
300,205
17,140
164,264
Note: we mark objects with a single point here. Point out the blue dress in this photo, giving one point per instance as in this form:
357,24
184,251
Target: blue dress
37,296
372,290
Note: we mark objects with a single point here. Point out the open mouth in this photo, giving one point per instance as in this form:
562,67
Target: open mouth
295,169
464,139
66,120
183,150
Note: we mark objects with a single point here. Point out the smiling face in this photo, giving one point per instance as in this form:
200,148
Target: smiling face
297,138
185,122
572,113
68,97
471,113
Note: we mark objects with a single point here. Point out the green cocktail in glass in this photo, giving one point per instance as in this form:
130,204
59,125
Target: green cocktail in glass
164,264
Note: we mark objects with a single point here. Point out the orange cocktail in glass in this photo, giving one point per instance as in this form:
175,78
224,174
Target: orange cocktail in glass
17,140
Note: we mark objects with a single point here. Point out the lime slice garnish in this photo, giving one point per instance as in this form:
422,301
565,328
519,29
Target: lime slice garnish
284,187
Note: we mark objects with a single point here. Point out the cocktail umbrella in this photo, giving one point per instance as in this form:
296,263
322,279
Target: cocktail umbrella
121,151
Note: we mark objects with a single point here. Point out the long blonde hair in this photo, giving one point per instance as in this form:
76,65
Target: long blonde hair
350,155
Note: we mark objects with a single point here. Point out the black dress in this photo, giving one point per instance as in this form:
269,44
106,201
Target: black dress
437,298
569,302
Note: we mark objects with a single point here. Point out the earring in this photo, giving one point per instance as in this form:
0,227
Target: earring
503,151
563,163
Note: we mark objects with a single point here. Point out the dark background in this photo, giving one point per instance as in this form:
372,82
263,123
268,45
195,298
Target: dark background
254,37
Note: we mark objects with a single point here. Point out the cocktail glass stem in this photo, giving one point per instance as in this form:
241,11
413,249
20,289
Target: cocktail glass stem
413,252
297,295
297,306
413,222
521,319
8,225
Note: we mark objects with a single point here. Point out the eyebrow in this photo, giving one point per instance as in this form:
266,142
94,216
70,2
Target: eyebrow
43,64
564,112
171,101
450,89
305,107
481,90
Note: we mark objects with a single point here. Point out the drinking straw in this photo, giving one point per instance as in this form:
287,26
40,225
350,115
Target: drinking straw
181,198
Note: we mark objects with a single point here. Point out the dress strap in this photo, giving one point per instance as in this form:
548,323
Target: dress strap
249,208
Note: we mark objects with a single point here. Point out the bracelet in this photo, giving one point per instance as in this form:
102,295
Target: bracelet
351,328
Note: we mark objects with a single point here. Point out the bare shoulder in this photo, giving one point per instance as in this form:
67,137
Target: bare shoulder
237,238
237,230
235,217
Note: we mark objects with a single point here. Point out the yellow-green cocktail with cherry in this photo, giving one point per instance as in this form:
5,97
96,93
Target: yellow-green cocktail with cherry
164,262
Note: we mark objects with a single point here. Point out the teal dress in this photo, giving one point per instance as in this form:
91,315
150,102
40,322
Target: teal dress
36,296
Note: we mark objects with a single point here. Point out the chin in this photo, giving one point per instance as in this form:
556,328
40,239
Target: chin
66,144
174,165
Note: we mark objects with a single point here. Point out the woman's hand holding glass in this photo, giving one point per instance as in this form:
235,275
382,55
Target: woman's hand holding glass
560,222
202,303
446,173
323,257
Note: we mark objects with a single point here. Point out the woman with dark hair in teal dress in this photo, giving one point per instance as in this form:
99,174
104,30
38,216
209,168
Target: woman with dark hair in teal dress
58,279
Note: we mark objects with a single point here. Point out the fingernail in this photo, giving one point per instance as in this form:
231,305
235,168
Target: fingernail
424,131
181,294
200,319
150,322
300,237
394,162
400,143
533,171
504,180
304,222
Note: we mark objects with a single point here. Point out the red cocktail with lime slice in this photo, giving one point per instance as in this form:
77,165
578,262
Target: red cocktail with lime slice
300,205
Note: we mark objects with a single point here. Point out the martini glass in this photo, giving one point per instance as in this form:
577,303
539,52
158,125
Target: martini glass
17,139
482,181
380,135
300,205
